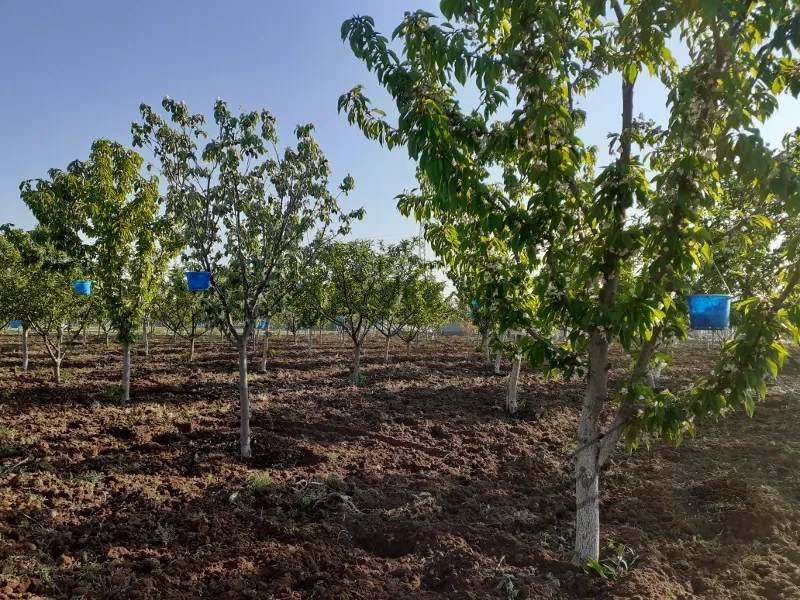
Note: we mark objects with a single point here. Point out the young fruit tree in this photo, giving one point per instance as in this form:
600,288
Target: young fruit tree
39,293
243,205
105,210
524,170
394,306
354,273
426,306
181,311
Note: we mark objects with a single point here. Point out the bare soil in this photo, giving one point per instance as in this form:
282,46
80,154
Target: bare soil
415,485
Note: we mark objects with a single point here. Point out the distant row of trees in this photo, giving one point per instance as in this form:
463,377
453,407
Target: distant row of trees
262,221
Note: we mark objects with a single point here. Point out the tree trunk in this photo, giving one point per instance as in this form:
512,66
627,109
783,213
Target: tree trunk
108,341
320,335
294,338
487,350
408,347
84,336
57,371
309,341
511,393
146,340
244,400
24,347
126,372
587,466
356,363
211,336
191,349
265,352
498,358
174,336
386,354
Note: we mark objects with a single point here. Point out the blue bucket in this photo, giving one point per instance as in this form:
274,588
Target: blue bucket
82,288
262,325
198,281
340,319
475,305
709,311
16,324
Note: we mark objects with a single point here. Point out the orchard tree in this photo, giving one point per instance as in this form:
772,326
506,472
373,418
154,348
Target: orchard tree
581,229
246,205
110,204
182,312
401,270
354,275
41,295
426,307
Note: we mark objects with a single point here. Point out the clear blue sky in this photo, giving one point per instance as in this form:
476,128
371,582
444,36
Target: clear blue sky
76,71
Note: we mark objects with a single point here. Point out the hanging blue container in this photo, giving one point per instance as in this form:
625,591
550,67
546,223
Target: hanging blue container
198,281
340,319
82,288
262,325
16,324
709,311
475,305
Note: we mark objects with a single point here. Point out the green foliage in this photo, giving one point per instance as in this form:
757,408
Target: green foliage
247,208
618,563
572,226
182,312
106,215
354,273
36,282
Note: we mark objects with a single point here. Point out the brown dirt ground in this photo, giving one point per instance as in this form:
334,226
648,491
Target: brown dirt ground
413,486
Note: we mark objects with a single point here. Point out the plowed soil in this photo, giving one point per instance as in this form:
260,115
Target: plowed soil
415,485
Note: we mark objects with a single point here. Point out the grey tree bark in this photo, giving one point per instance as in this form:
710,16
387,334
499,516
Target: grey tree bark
191,349
265,352
356,363
512,405
24,347
244,399
499,357
146,340
126,372
388,344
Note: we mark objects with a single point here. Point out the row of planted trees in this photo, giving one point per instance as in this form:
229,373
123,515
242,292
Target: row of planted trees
262,222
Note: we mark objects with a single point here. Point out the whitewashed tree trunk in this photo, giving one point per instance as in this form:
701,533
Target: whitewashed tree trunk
191,349
146,340
265,352
388,344
356,363
84,336
108,340
126,372
487,350
587,453
24,347
309,342
498,359
512,405
244,399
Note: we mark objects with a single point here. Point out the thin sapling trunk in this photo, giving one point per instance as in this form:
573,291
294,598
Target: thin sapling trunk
244,398
126,372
